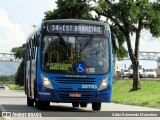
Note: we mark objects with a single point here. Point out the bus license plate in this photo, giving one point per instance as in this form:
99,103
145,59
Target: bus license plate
75,95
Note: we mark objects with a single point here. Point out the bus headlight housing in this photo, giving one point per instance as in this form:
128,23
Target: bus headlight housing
46,82
104,84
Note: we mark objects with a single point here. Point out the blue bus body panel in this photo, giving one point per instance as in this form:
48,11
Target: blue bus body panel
64,85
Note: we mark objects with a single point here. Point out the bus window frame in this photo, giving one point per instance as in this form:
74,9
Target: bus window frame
76,35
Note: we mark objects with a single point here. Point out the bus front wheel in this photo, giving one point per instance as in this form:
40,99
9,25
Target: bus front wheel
96,106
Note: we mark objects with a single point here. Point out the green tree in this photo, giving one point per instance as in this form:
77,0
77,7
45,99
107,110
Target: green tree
19,76
70,9
19,53
130,17
121,52
7,79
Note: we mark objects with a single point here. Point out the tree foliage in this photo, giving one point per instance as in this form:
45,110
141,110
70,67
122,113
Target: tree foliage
121,52
19,76
70,9
6,79
130,17
19,52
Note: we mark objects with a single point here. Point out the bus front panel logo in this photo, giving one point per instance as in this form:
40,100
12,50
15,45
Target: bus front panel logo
81,68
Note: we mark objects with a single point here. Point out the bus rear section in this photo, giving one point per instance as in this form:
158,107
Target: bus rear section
73,64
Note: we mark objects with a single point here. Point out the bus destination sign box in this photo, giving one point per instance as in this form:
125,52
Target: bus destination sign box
75,28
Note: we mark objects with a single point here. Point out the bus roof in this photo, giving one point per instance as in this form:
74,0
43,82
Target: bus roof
32,33
74,21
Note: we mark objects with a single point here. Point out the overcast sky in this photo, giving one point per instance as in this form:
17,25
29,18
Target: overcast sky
18,16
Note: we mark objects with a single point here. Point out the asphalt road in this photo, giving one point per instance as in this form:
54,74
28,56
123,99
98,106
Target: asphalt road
15,102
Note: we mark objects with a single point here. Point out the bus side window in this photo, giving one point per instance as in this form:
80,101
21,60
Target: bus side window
30,46
36,44
33,48
28,51
37,40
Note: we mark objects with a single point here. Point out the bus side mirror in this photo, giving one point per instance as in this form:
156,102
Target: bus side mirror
115,42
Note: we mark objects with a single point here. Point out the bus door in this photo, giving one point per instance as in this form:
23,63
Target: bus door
28,70
33,66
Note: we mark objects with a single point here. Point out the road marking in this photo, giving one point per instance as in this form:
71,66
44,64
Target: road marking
2,109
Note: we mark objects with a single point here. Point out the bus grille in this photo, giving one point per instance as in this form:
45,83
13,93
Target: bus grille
75,80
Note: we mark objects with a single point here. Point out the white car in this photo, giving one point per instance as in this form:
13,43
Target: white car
2,86
125,73
149,73
131,71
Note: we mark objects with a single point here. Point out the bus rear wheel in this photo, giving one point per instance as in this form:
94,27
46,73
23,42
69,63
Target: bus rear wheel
42,104
83,104
96,106
30,101
75,104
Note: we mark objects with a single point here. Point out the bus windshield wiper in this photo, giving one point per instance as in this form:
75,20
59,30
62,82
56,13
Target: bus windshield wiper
87,43
63,41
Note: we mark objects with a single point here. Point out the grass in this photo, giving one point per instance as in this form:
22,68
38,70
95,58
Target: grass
11,85
15,87
148,95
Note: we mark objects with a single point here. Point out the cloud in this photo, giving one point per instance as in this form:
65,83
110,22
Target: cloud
11,34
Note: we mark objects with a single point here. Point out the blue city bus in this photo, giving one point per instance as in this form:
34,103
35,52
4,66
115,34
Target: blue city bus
69,61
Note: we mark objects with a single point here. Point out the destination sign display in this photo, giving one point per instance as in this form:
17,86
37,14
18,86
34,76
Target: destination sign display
76,28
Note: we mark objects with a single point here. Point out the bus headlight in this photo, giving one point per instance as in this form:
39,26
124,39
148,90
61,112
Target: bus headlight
104,83
46,82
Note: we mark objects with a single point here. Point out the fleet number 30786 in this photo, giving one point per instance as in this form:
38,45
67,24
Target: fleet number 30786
84,86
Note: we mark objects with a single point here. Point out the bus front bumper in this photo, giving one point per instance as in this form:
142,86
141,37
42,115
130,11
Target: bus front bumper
75,96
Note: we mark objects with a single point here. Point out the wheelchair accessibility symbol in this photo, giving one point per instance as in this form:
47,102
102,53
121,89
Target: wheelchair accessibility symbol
81,68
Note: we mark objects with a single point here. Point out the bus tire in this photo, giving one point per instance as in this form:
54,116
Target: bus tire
83,104
30,101
96,106
35,91
75,104
41,105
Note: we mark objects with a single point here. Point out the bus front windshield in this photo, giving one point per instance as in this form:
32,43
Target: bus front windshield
75,54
